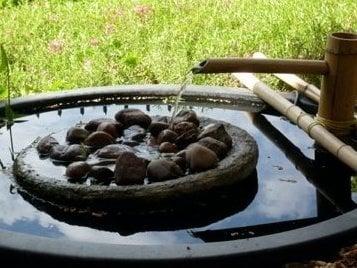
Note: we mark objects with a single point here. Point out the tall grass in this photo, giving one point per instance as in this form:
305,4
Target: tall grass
63,44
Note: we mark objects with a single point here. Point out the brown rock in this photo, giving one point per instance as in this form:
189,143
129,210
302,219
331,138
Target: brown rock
216,146
98,139
69,153
167,135
101,174
45,145
112,151
186,116
162,169
92,125
156,127
183,127
130,117
200,158
186,138
180,161
218,132
77,170
76,135
167,147
129,169
112,128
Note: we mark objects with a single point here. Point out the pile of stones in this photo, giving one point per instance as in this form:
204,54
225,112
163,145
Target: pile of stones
105,150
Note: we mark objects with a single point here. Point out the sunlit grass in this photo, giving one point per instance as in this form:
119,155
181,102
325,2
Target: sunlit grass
54,45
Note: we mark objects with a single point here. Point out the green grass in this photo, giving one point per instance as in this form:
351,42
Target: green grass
54,45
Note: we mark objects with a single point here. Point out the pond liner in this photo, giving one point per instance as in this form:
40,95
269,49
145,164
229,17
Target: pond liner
323,238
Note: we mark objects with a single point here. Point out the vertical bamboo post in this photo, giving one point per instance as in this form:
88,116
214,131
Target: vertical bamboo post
339,86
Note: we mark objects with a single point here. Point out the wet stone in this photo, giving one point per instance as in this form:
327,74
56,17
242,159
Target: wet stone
180,161
186,138
76,135
216,146
167,147
112,151
162,169
102,175
69,153
114,129
129,169
130,117
92,125
200,158
218,132
77,170
183,127
45,145
186,116
167,135
156,127
98,139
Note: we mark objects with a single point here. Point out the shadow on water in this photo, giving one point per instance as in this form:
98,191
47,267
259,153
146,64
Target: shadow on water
200,210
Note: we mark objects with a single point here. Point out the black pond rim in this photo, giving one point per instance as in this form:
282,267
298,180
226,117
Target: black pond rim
297,244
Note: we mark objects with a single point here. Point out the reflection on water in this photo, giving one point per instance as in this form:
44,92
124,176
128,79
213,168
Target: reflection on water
285,192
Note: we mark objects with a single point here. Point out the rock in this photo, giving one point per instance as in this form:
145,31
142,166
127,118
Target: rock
101,174
167,135
76,135
129,169
69,153
98,139
167,147
186,116
114,129
218,132
162,169
216,146
200,158
156,127
77,170
183,127
180,161
45,145
92,125
186,138
112,151
130,117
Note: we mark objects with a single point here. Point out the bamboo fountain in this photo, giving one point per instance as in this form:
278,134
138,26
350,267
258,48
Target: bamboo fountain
335,118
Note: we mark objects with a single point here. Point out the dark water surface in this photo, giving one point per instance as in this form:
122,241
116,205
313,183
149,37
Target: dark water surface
286,174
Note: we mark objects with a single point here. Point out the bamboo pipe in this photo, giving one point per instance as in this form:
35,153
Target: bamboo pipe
299,84
231,65
339,87
296,82
316,131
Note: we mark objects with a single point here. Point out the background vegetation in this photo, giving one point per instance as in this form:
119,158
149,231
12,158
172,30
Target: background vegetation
63,44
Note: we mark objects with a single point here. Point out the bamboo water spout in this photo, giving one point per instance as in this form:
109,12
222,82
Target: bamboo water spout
254,65
339,86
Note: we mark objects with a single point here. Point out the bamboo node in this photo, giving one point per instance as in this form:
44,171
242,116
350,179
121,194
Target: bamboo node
339,149
288,109
302,114
311,125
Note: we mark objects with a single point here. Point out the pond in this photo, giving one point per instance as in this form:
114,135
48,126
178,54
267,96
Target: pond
292,185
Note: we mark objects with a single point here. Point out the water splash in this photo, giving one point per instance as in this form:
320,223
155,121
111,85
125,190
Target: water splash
187,81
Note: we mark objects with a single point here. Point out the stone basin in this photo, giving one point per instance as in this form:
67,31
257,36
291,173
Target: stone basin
239,163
